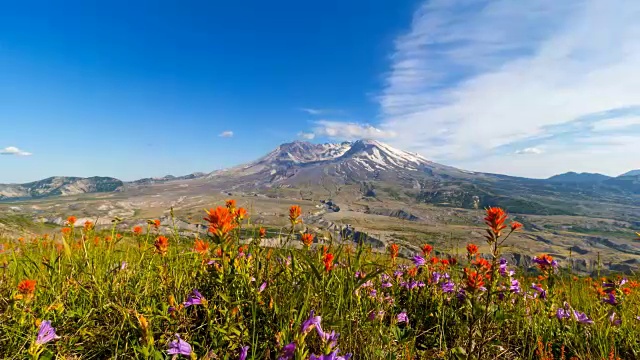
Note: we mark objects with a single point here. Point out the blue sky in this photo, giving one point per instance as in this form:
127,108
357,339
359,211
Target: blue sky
136,89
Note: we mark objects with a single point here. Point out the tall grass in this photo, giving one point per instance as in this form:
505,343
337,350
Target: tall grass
112,295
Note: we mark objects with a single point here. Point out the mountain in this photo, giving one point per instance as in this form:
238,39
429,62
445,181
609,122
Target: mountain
579,177
167,178
59,185
631,173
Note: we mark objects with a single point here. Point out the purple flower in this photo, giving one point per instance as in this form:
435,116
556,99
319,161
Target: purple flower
448,287
384,277
582,318
288,351
410,285
375,315
515,286
123,265
331,356
171,309
563,314
613,320
373,293
435,277
243,353
402,317
421,284
262,287
330,338
611,299
311,323
398,273
540,291
179,347
544,261
503,267
46,333
461,295
386,284
195,298
419,261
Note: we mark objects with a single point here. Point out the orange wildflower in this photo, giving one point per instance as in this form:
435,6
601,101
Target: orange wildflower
96,240
71,220
434,260
495,220
307,239
294,214
27,287
516,225
162,245
474,280
220,220
241,213
262,232
88,225
393,251
218,252
230,204
472,249
201,247
66,231
328,261
482,263
118,236
426,250
137,230
412,272
626,291
444,262
156,224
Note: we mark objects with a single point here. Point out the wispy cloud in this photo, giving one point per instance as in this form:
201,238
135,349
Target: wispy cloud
226,134
306,135
12,150
349,130
474,81
529,151
312,111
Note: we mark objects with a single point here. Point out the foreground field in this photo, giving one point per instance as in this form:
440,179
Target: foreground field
87,294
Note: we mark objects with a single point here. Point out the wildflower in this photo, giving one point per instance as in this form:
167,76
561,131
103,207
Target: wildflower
201,247
331,356
243,353
419,261
262,287
426,250
613,321
503,267
123,265
434,260
294,214
611,299
230,204
162,245
582,318
241,213
453,261
328,261
262,232
474,280
563,312
288,352
27,287
46,333
195,299
65,231
156,224
88,226
311,323
386,284
373,315
137,230
71,220
179,347
448,287
221,221
539,291
516,226
393,251
307,239
495,220
545,262
515,286
472,249
402,317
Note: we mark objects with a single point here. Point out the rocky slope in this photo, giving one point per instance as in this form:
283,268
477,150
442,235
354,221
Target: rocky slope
59,185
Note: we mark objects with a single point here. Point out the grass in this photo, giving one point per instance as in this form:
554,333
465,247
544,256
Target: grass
110,296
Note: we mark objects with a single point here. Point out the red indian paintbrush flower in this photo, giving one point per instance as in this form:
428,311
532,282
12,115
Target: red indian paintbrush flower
426,250
240,214
162,245
474,280
294,214
65,231
88,226
137,230
328,261
495,220
156,224
71,220
307,239
262,232
516,225
27,287
230,204
221,221
472,249
201,247
393,251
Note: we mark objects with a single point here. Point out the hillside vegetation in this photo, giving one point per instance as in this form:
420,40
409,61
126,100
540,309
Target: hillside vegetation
245,292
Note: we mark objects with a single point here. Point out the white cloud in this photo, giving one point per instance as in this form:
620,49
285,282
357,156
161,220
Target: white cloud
472,81
312,111
12,150
616,123
349,130
529,151
307,136
226,134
